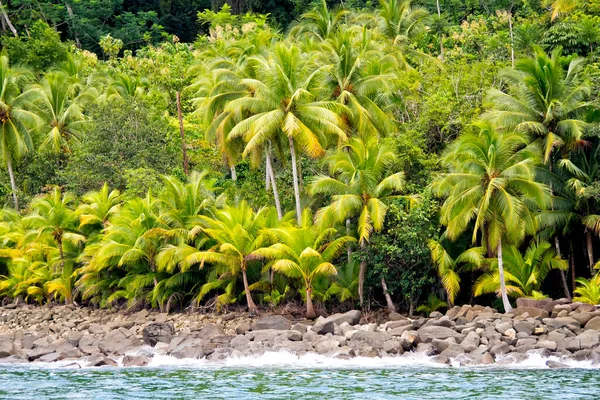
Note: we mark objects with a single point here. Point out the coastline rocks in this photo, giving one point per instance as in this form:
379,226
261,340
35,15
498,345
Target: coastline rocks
428,333
323,326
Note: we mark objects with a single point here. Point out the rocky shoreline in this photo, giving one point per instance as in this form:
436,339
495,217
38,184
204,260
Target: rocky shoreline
467,335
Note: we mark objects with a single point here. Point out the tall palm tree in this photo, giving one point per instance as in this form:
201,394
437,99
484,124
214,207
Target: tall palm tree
237,231
361,79
360,184
284,105
490,186
524,274
16,119
544,101
304,252
59,103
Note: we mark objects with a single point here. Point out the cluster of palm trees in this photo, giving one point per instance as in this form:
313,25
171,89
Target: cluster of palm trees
520,179
516,184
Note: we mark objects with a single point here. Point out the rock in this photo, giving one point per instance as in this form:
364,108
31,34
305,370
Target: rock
560,308
394,316
400,330
158,332
527,302
97,329
569,343
323,327
396,324
546,344
191,348
502,327
556,323
453,351
524,326
440,359
510,333
327,346
582,355
442,344
555,364
593,323
582,317
374,339
135,360
100,361
435,314
6,348
393,346
531,311
526,342
471,342
240,341
299,328
369,352
426,348
208,331
500,349
118,341
242,328
428,333
589,339
277,322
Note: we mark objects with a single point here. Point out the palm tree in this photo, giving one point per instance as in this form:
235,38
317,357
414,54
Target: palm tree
490,186
588,290
283,104
15,119
345,286
361,79
237,232
360,184
524,274
320,22
59,104
559,7
304,252
99,206
55,214
448,267
543,101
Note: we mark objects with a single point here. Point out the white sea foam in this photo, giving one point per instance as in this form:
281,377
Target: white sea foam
286,360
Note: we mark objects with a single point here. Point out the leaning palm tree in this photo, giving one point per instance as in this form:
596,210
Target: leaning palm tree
524,273
360,184
544,101
304,252
490,187
237,232
16,119
284,105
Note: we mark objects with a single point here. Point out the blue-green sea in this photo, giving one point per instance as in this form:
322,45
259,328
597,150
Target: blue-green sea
319,380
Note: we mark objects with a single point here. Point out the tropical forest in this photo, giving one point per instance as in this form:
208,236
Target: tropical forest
306,156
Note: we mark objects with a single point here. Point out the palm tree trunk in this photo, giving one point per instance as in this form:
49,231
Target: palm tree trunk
361,273
507,307
590,249
13,185
60,248
563,276
251,305
10,25
390,304
233,173
572,261
72,18
271,175
348,233
512,40
310,310
296,186
182,134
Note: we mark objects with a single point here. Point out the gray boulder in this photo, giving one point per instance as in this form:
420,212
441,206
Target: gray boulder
523,327
428,333
569,343
158,332
118,341
593,323
6,348
453,351
272,322
471,342
327,325
589,339
135,360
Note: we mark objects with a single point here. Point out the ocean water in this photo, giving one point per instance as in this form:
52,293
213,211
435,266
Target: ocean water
284,376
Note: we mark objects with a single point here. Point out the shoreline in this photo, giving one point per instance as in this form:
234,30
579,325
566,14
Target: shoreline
567,336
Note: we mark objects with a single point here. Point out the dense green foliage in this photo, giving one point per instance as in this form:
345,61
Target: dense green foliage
168,155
